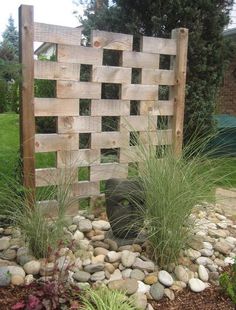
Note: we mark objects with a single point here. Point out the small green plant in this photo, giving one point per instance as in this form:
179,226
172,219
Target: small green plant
228,282
105,299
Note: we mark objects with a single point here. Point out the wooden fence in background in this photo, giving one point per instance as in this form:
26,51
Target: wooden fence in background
139,81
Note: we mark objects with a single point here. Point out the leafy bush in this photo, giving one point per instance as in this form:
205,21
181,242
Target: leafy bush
228,282
104,299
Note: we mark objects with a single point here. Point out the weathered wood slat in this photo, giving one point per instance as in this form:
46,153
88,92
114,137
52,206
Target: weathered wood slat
161,77
112,40
140,60
80,158
108,140
46,177
138,122
108,107
86,189
130,154
83,90
108,74
159,107
70,124
139,92
107,171
56,107
57,34
79,54
159,45
51,70
160,137
56,142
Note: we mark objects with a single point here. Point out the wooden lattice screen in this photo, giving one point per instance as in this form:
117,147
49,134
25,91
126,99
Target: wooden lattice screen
142,90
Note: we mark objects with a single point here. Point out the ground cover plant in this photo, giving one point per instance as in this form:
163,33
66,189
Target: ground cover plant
228,281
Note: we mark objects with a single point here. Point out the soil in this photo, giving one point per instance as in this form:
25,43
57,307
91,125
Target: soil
211,298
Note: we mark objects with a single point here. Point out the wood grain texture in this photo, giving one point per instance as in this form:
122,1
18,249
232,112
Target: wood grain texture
140,60
112,40
79,54
107,171
139,92
158,107
108,74
79,158
138,122
56,142
70,124
156,76
86,189
108,140
109,107
56,107
27,126
159,45
57,34
83,90
51,70
180,66
160,137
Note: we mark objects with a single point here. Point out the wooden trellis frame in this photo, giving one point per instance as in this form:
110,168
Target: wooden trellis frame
65,107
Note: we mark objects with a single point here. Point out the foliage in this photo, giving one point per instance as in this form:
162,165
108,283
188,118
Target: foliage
172,187
228,282
40,232
208,52
103,299
9,69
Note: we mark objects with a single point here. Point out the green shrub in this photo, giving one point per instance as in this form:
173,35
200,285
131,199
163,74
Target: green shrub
228,282
105,299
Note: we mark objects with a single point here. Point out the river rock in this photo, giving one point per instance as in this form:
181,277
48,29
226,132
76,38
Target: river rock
17,280
116,275
127,258
150,279
81,276
204,261
203,274
157,291
222,247
126,273
181,273
78,235
129,286
9,254
143,288
143,265
140,300
16,270
169,294
192,254
137,274
85,225
97,276
94,267
5,277
100,251
113,256
165,278
196,285
32,267
4,243
29,278
101,225
196,242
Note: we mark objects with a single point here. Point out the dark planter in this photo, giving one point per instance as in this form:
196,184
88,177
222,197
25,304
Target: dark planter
123,201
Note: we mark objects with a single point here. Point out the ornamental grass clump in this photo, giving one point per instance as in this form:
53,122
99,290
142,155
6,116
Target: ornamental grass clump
39,231
172,186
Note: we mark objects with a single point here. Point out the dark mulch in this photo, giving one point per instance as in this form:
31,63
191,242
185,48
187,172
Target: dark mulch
10,295
210,299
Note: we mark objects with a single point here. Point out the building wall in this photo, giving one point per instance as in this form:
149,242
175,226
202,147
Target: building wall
227,95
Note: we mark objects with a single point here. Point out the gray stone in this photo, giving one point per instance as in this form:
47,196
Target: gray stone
4,243
81,276
101,225
98,276
192,254
196,285
203,274
231,240
140,300
113,256
5,277
112,244
165,278
77,219
85,225
72,228
218,233
47,269
137,274
214,276
142,265
222,247
204,261
9,254
126,273
129,286
169,294
16,270
25,258
196,242
83,285
157,291
206,252
127,258
99,244
32,267
94,267
181,273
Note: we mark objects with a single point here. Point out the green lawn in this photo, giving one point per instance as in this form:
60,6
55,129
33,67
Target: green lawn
9,146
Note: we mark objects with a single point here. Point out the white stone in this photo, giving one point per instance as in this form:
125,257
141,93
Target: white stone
203,274
222,225
116,275
32,267
231,240
16,270
77,218
126,273
85,225
196,285
29,279
143,288
128,258
78,235
113,257
140,300
165,278
206,252
229,261
181,273
207,245
220,217
101,225
204,261
192,254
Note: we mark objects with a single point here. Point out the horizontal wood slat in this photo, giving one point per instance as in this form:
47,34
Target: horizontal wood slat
108,107
159,107
107,171
107,74
55,142
56,107
159,45
160,137
161,77
57,34
86,189
70,124
107,140
51,70
139,92
138,123
79,54
140,60
79,158
112,40
84,90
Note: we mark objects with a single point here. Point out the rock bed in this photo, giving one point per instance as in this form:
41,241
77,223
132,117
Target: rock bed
97,260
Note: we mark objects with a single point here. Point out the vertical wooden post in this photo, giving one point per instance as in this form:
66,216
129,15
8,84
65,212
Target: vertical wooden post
27,123
180,65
